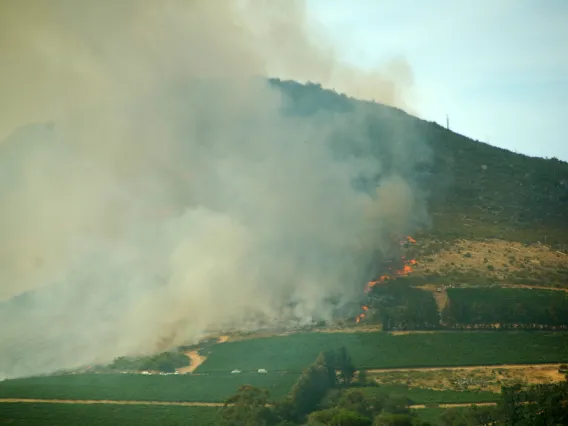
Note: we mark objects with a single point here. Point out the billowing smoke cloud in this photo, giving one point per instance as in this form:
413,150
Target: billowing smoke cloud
171,195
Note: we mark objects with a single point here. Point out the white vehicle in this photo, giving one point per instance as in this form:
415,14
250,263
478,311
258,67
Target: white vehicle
236,372
262,371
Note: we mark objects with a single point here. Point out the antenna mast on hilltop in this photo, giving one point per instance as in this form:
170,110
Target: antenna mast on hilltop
447,122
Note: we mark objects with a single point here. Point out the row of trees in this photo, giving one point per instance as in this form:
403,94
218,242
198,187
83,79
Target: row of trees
327,393
399,306
166,362
534,406
510,308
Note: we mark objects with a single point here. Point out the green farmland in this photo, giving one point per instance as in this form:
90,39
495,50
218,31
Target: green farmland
381,350
28,414
432,415
520,307
136,387
429,396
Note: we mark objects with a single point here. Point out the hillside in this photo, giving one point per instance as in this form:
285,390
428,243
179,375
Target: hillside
485,206
496,227
496,215
475,190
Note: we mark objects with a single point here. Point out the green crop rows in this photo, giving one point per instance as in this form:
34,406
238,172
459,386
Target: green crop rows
429,396
382,350
24,414
136,387
506,306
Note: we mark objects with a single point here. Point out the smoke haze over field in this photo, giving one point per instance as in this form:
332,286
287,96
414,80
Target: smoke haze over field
171,195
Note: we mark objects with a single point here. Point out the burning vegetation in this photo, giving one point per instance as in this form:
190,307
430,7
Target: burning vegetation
403,267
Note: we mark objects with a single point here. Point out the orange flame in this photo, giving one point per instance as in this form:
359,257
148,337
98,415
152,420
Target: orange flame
406,270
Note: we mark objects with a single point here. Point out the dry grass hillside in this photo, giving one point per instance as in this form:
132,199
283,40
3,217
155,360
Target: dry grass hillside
476,378
491,261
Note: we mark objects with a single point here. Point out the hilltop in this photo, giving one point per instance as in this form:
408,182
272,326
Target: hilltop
474,190
496,215
482,202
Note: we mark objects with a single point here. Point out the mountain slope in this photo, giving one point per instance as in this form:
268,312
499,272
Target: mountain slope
475,190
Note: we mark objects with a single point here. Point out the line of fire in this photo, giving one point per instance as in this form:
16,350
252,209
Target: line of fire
393,269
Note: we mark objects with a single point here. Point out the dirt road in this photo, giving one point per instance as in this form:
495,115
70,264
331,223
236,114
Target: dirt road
195,360
180,404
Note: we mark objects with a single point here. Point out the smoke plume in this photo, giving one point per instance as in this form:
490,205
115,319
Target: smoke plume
171,195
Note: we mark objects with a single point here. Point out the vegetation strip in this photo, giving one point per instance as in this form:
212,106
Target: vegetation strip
187,404
111,402
495,307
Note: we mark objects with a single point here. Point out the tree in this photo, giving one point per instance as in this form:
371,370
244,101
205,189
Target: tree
390,419
454,417
337,361
363,378
327,360
536,405
338,417
396,405
345,365
248,407
311,387
510,404
354,400
285,410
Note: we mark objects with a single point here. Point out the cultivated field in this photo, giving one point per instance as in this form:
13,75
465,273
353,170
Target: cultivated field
22,414
507,307
424,396
420,366
294,352
57,414
137,387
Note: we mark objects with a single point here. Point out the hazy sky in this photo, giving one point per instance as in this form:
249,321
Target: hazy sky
499,68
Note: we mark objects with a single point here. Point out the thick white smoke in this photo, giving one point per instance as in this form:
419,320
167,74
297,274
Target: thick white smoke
171,195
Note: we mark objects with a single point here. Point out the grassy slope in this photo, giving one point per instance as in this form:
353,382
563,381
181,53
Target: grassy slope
382,350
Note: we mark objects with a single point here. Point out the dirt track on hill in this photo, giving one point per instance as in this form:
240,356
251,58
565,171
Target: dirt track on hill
195,360
179,404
